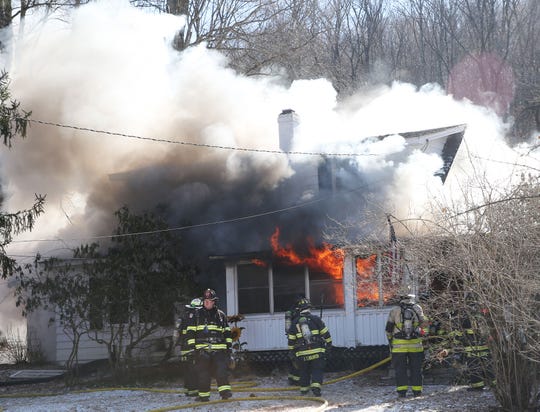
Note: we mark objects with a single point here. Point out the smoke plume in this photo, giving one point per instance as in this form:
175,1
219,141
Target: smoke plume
111,67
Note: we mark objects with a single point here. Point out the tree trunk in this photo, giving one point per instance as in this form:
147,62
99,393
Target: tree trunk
5,13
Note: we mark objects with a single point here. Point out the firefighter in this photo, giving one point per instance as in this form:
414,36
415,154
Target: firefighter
290,316
467,341
186,354
308,340
210,337
404,330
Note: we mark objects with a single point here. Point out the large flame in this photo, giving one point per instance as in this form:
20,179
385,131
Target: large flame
329,260
323,259
367,286
367,291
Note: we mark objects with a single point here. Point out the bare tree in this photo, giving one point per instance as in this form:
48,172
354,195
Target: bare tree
490,251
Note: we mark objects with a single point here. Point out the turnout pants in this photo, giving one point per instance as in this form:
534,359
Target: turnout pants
191,382
405,363
212,363
294,373
479,370
311,373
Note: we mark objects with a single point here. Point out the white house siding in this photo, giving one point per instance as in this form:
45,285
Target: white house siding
89,350
40,335
370,324
267,332
264,332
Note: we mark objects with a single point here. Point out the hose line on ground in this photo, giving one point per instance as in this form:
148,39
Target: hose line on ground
247,386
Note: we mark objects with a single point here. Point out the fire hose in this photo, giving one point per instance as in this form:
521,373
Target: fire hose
237,388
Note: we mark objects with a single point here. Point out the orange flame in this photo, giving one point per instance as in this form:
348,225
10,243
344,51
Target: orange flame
324,259
259,262
367,290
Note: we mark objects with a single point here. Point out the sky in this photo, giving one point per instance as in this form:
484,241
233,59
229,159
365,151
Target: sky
110,67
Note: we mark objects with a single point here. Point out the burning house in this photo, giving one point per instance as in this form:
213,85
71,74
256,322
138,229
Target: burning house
260,264
352,289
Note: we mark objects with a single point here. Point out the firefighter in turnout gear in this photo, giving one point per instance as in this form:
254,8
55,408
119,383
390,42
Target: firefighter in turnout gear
210,337
308,340
404,330
469,343
290,316
186,354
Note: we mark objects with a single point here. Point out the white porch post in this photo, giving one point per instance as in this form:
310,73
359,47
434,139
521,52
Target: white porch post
232,288
349,293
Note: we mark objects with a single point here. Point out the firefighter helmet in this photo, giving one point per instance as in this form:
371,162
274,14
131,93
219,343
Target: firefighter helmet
303,304
195,304
407,299
210,294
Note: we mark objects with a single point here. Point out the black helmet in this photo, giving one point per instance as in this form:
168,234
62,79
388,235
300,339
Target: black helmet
303,304
210,294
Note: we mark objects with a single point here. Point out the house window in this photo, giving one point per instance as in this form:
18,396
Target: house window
289,282
378,278
367,281
253,288
326,291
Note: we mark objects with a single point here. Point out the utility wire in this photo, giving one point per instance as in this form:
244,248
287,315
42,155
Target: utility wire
241,149
150,232
358,190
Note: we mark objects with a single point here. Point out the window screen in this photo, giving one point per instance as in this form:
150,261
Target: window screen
253,289
325,290
289,282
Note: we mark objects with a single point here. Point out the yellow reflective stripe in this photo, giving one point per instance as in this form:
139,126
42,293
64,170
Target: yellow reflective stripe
309,352
402,388
416,341
407,350
416,388
224,388
209,327
402,345
213,346
476,348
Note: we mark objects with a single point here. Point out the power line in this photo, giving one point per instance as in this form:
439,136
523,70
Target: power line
205,145
150,232
357,190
